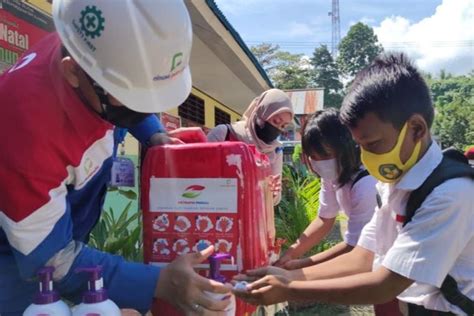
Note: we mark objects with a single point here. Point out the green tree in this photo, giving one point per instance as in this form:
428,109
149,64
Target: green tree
266,55
286,70
453,97
447,87
290,78
454,123
325,74
357,49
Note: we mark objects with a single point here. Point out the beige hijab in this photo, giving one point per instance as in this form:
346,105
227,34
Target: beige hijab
262,108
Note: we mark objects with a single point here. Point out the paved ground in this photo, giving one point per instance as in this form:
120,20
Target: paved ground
330,310
326,309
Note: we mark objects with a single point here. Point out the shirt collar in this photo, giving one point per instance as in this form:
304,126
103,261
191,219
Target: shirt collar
415,177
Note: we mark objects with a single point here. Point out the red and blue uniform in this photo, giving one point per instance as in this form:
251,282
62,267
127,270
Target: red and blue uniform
55,160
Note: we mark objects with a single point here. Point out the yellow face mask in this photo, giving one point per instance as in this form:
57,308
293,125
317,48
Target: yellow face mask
388,167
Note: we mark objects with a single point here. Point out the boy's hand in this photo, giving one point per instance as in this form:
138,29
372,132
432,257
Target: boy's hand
159,139
181,286
266,291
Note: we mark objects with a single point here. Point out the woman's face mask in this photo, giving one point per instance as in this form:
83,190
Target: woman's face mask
268,133
326,169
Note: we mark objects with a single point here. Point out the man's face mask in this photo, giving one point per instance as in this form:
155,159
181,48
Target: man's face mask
268,133
388,167
120,116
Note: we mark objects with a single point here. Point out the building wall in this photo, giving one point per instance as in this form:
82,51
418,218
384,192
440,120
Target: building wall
209,104
131,144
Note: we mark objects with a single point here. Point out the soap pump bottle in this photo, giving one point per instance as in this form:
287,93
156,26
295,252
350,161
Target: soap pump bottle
46,301
214,274
95,301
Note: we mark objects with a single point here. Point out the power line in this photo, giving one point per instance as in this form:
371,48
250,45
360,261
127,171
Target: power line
386,45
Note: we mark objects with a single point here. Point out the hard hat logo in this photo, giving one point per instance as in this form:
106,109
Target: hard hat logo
158,31
177,60
92,22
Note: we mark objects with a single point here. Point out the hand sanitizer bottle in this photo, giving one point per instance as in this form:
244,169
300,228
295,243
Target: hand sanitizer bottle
214,274
46,301
95,300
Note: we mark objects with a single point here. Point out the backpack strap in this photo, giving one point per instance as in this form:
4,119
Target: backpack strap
452,294
361,174
379,200
453,165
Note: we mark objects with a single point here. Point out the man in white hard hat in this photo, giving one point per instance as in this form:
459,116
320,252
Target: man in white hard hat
109,64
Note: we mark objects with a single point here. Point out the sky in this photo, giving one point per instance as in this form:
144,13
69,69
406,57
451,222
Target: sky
437,34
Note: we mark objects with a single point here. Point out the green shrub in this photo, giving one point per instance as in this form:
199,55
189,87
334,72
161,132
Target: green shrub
122,235
298,207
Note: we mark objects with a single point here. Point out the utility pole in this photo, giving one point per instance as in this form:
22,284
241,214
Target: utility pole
336,27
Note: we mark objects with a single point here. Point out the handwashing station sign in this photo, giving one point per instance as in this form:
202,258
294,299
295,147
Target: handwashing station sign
193,195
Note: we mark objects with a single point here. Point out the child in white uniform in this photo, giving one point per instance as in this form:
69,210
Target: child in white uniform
389,112
346,186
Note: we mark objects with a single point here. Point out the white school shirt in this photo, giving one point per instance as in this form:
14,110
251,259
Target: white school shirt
439,240
357,201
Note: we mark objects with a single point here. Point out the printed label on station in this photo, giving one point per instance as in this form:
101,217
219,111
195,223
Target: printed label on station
175,234
199,195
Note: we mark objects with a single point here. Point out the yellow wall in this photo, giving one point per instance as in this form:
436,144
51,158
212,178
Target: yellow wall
131,144
42,5
209,104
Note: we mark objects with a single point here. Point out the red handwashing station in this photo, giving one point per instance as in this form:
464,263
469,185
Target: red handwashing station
202,194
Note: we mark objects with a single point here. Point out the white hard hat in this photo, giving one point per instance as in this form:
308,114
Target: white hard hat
137,50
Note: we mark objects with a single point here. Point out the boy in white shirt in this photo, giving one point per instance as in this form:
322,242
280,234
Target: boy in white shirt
389,112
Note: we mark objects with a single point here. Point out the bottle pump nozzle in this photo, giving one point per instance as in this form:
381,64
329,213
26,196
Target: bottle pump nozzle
215,266
46,294
96,292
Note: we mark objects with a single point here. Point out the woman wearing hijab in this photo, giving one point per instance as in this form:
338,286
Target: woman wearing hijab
263,121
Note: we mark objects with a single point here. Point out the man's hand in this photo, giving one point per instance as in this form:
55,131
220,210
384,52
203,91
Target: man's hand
181,286
268,290
189,134
159,139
